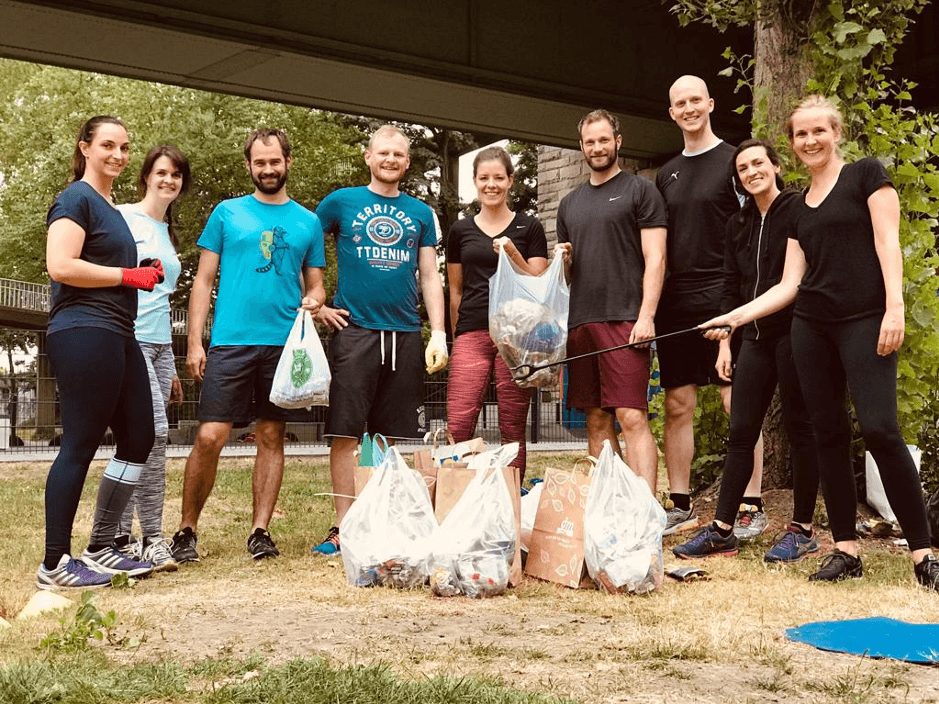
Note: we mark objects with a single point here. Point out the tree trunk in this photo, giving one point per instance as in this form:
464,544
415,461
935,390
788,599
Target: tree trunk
782,67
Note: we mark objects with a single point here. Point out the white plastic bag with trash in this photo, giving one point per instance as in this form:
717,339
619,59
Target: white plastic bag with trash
876,496
528,317
386,532
473,548
302,375
529,509
623,526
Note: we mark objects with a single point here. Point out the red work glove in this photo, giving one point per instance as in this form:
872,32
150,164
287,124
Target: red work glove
156,264
144,277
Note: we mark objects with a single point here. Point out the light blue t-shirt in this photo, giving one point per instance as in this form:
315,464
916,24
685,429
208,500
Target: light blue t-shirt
262,250
152,238
378,239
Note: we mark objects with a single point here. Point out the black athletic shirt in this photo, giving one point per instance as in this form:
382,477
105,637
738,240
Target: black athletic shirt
701,199
604,223
843,280
470,247
754,258
109,242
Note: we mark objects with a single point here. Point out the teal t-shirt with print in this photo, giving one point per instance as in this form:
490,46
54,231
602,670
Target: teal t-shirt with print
377,245
262,249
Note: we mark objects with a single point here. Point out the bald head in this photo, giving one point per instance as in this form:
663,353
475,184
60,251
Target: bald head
686,83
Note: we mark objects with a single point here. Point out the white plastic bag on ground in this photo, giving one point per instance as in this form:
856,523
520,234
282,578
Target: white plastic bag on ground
472,550
386,532
876,496
528,317
302,376
529,505
623,525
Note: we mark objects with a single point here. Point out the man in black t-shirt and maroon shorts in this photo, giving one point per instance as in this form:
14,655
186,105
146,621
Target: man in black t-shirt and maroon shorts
698,188
611,232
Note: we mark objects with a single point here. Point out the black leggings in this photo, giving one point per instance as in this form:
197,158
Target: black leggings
102,380
760,364
833,358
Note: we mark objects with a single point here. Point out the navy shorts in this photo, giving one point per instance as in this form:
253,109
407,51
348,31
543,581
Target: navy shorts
237,386
377,384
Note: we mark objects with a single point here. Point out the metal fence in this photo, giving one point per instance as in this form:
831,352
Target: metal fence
29,413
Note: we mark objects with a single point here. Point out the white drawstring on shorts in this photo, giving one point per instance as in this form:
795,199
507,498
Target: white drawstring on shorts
394,349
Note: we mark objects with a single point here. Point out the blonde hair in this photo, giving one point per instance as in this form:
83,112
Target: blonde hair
388,131
817,102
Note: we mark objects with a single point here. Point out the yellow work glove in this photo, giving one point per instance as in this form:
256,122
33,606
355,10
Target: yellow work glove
435,356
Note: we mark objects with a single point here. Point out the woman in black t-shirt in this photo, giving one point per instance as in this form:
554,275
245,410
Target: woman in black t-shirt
102,378
754,255
844,262
472,247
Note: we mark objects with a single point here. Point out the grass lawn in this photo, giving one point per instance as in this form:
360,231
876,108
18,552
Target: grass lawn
292,630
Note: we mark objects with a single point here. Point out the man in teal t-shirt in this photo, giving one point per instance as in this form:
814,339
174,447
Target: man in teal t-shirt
267,252
386,241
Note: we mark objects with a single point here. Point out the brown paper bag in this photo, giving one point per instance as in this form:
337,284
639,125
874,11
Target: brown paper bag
452,480
556,553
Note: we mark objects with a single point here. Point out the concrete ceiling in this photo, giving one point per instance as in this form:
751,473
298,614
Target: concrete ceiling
527,69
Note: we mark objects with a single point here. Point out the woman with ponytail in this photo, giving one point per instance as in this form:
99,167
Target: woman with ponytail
102,378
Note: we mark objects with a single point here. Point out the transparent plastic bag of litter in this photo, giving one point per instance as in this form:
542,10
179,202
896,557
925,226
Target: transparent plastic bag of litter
302,375
386,532
623,526
528,318
473,548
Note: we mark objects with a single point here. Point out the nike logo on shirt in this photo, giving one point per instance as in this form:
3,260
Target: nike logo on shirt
615,197
519,227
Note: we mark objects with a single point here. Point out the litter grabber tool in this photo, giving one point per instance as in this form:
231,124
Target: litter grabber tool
523,371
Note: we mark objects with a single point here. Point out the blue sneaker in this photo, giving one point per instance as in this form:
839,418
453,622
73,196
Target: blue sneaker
707,542
791,546
330,546
70,574
110,561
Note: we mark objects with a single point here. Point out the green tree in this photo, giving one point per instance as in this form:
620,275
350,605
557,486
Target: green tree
43,107
844,49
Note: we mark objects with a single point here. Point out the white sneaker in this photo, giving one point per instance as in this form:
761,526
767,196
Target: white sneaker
750,523
158,553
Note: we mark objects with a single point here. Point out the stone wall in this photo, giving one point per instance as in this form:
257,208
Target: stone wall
559,172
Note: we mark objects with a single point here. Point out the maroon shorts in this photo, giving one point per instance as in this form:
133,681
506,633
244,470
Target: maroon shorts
611,380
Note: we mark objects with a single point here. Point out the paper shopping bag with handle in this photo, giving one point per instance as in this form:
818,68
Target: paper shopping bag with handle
556,552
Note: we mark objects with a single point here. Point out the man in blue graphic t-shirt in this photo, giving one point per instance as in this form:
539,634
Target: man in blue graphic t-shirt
385,241
267,251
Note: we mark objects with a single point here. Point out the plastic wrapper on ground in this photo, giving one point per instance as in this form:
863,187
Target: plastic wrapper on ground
623,526
528,318
386,532
473,548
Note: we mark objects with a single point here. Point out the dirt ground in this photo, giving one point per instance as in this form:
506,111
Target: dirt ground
722,646
720,640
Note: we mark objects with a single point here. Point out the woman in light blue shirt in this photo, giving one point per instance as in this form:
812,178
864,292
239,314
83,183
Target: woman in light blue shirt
163,177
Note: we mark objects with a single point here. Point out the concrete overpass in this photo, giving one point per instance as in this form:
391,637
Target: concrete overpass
526,69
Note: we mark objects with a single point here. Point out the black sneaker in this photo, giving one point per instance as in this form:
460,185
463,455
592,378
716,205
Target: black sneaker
183,546
836,566
260,545
927,572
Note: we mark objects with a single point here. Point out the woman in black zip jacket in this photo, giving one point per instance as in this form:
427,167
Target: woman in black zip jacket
753,262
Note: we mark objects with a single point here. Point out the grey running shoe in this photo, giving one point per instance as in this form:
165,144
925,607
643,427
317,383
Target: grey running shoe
677,520
706,543
110,561
158,552
927,572
260,545
70,574
750,523
836,566
129,546
183,547
791,546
